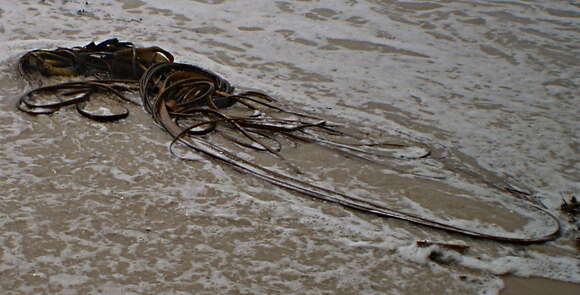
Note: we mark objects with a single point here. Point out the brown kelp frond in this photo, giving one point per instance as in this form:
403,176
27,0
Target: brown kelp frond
110,58
119,65
190,103
49,99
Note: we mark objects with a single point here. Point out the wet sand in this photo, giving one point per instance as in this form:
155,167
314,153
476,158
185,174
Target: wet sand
536,286
92,208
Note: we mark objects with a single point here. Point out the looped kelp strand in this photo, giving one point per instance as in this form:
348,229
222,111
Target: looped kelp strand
191,103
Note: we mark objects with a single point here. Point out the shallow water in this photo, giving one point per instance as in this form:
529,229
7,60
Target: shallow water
492,86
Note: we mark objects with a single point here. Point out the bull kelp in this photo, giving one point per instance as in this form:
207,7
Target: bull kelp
190,102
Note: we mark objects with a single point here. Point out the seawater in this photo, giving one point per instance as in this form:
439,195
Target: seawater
90,208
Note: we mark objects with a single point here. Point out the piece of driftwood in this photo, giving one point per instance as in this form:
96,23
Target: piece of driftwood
460,248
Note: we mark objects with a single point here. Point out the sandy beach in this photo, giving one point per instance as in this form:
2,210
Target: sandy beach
489,88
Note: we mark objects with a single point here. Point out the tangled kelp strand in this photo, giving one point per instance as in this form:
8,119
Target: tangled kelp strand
77,93
119,65
190,102
110,58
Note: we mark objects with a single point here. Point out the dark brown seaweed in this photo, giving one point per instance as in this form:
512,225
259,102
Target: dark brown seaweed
175,92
